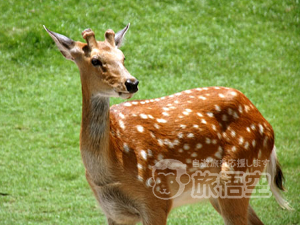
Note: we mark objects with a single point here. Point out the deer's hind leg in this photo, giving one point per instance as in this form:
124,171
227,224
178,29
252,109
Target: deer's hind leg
252,217
234,211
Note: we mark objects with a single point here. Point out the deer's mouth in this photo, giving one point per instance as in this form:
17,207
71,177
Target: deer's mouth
125,95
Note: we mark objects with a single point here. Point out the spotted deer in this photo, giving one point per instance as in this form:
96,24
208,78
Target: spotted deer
140,154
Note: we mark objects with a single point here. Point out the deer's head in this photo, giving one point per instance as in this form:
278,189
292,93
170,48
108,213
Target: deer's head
101,63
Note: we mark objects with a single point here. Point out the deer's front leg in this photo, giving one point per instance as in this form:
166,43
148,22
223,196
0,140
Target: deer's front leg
155,219
155,213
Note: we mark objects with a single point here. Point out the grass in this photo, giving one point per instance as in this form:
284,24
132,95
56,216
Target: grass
253,46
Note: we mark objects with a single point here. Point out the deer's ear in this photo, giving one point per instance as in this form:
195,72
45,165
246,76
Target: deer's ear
64,43
119,37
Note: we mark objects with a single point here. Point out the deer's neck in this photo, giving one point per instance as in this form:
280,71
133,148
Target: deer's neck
95,121
95,138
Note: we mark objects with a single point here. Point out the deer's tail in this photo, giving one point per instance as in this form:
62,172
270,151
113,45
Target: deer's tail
276,179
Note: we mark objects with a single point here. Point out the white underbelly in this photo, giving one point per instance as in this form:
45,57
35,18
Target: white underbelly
189,197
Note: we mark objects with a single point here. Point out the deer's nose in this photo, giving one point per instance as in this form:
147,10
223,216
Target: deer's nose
131,85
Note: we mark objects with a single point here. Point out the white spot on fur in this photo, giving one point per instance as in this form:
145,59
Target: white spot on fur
156,126
252,126
121,124
199,114
140,166
182,126
168,143
194,154
143,116
188,91
217,108
210,114
253,143
151,117
150,153
127,104
144,154
203,121
190,135
219,153
176,142
186,147
221,96
160,142
214,141
241,140
199,145
180,135
140,128
126,148
214,127
166,108
246,146
201,97
122,115
248,129
165,114
240,109
233,93
196,126
188,161
140,178
235,115
233,134
261,129
207,141
186,113
161,120
247,108
233,149
135,103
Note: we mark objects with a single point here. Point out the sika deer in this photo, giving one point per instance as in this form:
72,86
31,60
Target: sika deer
143,158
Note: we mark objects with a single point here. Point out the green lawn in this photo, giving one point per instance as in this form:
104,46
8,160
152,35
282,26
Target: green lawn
172,45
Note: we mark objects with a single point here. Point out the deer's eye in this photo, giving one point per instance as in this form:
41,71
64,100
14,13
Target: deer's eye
96,62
